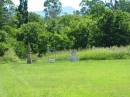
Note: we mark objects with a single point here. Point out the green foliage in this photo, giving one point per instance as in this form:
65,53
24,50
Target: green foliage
33,17
3,36
11,31
123,5
53,25
95,7
80,34
115,28
9,57
29,32
3,49
42,45
3,40
60,41
22,12
34,34
75,27
20,50
6,12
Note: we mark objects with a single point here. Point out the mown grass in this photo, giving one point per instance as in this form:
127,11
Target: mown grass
97,78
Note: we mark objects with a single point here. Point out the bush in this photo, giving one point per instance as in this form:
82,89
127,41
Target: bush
3,49
9,56
21,50
10,30
3,44
3,36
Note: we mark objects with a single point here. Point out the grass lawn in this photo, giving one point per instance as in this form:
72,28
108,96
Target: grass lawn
102,78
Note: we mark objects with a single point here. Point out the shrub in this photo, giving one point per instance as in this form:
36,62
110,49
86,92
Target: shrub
3,36
20,50
3,45
3,49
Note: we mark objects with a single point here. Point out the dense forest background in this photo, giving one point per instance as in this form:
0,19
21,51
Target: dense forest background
98,23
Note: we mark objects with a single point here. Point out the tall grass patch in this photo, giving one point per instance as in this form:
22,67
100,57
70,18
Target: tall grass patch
105,53
95,54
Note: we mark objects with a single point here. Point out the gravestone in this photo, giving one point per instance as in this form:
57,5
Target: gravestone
73,56
51,58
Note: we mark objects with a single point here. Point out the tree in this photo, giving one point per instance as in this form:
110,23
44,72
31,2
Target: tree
76,28
22,12
33,17
123,5
1,10
115,28
29,35
53,8
32,35
59,41
6,12
42,44
112,4
94,7
80,32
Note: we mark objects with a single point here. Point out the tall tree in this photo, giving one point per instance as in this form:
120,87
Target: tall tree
52,8
6,11
23,19
22,12
1,11
95,7
112,4
123,5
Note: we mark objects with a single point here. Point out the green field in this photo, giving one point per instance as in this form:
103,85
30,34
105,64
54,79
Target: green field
101,78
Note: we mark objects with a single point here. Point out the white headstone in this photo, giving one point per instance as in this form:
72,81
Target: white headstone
51,60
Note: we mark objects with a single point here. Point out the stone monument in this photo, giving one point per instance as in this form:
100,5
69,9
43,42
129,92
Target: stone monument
73,56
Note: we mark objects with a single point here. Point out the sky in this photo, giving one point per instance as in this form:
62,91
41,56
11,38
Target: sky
37,5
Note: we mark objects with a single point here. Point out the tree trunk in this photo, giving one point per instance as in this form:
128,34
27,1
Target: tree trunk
29,56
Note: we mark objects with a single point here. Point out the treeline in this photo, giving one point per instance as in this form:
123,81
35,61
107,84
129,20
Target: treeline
96,24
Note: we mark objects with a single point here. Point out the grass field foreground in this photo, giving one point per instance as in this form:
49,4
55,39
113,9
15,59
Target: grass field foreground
104,78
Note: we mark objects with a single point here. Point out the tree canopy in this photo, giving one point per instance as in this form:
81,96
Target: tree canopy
96,24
